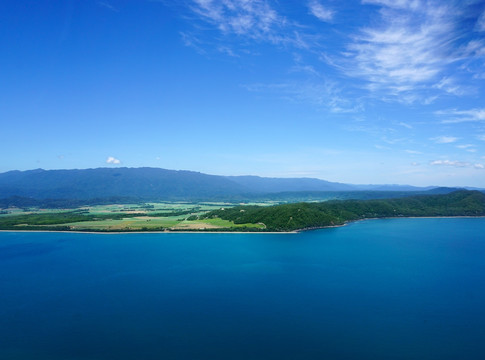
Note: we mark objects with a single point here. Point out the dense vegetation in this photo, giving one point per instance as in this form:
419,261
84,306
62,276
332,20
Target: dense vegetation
30,221
296,216
286,217
280,197
28,202
301,196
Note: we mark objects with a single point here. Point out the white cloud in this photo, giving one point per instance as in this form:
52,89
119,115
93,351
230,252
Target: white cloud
450,86
467,147
407,49
227,50
255,19
460,164
380,147
192,41
480,24
481,137
319,11
325,94
474,48
450,163
398,4
406,53
458,116
406,125
444,139
112,160
107,6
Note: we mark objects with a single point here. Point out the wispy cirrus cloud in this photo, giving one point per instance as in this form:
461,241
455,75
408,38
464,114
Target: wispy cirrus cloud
320,12
444,139
402,51
406,53
455,163
190,40
410,49
406,125
450,163
451,86
107,5
480,24
325,94
458,116
465,146
397,4
253,19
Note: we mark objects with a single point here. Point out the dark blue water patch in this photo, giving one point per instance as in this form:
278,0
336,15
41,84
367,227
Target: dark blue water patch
13,251
387,289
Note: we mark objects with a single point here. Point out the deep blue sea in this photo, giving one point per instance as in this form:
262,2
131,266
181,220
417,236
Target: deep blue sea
377,289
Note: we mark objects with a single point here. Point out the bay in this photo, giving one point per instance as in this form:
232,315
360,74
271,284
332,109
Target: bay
377,289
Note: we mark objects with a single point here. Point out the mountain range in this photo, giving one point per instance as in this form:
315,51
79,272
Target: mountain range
162,184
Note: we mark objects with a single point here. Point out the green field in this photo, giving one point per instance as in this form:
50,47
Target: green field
181,216
163,216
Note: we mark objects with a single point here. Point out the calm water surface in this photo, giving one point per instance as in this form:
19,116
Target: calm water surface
381,289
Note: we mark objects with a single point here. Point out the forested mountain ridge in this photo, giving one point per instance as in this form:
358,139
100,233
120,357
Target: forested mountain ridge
143,183
296,216
162,184
275,185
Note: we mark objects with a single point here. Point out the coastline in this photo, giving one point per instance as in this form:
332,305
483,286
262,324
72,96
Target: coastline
238,232
152,232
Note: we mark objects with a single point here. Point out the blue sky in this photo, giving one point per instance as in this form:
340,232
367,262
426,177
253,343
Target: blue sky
371,91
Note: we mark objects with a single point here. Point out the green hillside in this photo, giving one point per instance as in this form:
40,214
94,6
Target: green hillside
296,216
224,217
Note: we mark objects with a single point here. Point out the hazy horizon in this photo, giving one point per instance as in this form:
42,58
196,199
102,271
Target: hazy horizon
360,92
252,175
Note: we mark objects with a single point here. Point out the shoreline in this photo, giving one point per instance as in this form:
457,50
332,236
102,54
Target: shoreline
239,232
152,232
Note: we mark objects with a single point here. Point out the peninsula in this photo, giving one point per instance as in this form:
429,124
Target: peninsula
263,217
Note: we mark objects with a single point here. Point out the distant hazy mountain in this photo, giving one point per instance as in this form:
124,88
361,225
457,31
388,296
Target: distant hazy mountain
106,182
273,185
392,187
162,184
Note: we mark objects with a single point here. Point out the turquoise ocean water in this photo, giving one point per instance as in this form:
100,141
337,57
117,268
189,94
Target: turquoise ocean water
379,289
